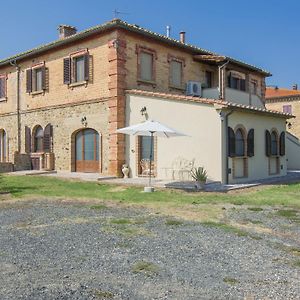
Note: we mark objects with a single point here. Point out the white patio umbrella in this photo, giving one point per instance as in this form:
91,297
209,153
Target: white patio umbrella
150,128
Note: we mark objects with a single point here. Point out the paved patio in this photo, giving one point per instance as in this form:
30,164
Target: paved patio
292,176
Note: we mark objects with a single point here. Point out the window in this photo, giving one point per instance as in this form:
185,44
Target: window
287,109
2,145
39,139
79,69
209,79
143,155
76,68
2,86
145,147
146,63
274,143
36,79
236,82
239,143
253,87
38,76
176,73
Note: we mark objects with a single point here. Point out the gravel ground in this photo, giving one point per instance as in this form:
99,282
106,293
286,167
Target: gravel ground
67,250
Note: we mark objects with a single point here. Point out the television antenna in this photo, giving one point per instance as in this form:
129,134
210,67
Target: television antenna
117,13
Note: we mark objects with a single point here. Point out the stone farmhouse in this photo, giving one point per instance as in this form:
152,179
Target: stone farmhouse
61,104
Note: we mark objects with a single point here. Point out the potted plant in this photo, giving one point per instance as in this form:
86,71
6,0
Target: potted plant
200,176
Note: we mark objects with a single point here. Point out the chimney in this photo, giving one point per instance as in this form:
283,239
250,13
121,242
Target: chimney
168,31
182,36
295,86
66,31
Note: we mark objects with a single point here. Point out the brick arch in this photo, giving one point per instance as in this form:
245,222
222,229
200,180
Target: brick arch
73,147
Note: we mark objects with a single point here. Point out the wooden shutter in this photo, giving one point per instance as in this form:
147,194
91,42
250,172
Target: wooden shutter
250,143
27,139
2,87
86,67
282,144
67,70
229,78
48,138
43,78
29,81
268,143
231,142
242,84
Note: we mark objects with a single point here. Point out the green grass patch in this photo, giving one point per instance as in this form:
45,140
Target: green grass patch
145,267
173,222
230,280
296,263
99,294
98,207
256,222
226,227
121,221
255,208
21,186
290,214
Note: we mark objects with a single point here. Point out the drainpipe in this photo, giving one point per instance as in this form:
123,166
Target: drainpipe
224,117
221,87
14,64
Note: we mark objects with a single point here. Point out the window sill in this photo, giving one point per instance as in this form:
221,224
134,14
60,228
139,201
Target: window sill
146,82
174,87
37,93
3,99
75,84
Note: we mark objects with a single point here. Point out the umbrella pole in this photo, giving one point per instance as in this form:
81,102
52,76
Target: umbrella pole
151,145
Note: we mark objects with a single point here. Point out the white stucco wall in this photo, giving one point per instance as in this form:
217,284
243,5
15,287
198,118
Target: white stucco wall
293,152
258,165
200,122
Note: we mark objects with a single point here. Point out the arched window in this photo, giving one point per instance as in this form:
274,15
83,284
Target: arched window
2,145
274,143
39,139
239,143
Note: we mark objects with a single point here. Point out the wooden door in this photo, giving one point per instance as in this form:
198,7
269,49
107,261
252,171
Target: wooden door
87,151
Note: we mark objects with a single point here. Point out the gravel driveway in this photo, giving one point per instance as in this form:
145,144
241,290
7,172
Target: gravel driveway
54,249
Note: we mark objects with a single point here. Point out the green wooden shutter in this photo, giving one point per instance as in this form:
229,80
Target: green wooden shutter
48,138
29,81
27,139
250,143
268,143
282,144
43,78
67,70
86,67
231,142
2,87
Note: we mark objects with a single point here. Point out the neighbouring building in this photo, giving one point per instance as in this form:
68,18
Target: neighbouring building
61,104
285,100
288,101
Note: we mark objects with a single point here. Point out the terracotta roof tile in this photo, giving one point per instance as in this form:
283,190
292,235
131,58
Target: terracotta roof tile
272,92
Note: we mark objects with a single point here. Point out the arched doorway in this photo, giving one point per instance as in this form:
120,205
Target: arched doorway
87,151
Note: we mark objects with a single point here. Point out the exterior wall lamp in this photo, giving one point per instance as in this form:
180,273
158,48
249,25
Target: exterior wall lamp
84,121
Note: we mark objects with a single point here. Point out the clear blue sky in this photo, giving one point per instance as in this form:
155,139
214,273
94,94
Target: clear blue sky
261,32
